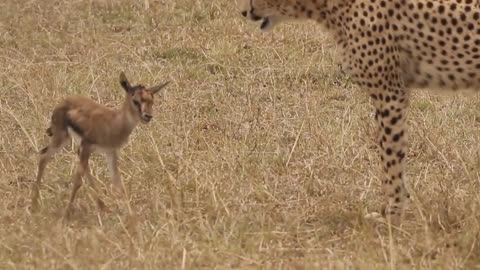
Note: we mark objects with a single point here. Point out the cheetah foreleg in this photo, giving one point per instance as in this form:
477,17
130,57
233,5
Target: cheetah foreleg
391,111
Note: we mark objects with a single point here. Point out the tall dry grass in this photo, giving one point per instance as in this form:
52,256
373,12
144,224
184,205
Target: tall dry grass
260,155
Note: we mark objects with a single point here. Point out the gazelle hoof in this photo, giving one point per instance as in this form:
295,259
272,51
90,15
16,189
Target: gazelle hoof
102,206
118,191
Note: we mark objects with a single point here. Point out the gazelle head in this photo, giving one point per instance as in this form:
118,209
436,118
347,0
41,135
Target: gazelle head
141,98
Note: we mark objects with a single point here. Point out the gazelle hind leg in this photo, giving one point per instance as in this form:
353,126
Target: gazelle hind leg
46,154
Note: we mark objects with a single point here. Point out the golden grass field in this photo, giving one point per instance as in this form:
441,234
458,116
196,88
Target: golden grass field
261,153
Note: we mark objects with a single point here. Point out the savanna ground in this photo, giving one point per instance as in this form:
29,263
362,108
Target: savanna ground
261,153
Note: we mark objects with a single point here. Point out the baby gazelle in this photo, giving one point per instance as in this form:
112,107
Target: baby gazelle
98,127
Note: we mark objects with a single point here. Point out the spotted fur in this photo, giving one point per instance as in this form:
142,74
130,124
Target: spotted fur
390,47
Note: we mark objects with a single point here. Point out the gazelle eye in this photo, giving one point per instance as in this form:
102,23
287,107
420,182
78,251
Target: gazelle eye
136,103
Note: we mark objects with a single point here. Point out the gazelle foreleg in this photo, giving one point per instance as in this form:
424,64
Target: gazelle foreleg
84,153
117,185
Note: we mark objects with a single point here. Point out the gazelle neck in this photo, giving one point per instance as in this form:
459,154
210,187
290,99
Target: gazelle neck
127,118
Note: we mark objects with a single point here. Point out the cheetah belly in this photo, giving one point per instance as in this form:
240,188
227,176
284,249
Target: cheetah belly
444,73
441,49
435,75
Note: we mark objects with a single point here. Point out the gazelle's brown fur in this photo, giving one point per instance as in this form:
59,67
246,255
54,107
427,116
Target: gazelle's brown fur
98,127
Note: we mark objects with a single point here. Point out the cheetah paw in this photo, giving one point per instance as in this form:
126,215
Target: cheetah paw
375,216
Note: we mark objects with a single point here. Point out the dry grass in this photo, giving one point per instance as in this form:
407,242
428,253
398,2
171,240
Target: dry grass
260,155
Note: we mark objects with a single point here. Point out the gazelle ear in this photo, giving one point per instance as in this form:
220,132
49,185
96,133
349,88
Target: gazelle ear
124,82
157,88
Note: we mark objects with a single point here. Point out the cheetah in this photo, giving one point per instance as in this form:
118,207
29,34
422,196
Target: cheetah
389,47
